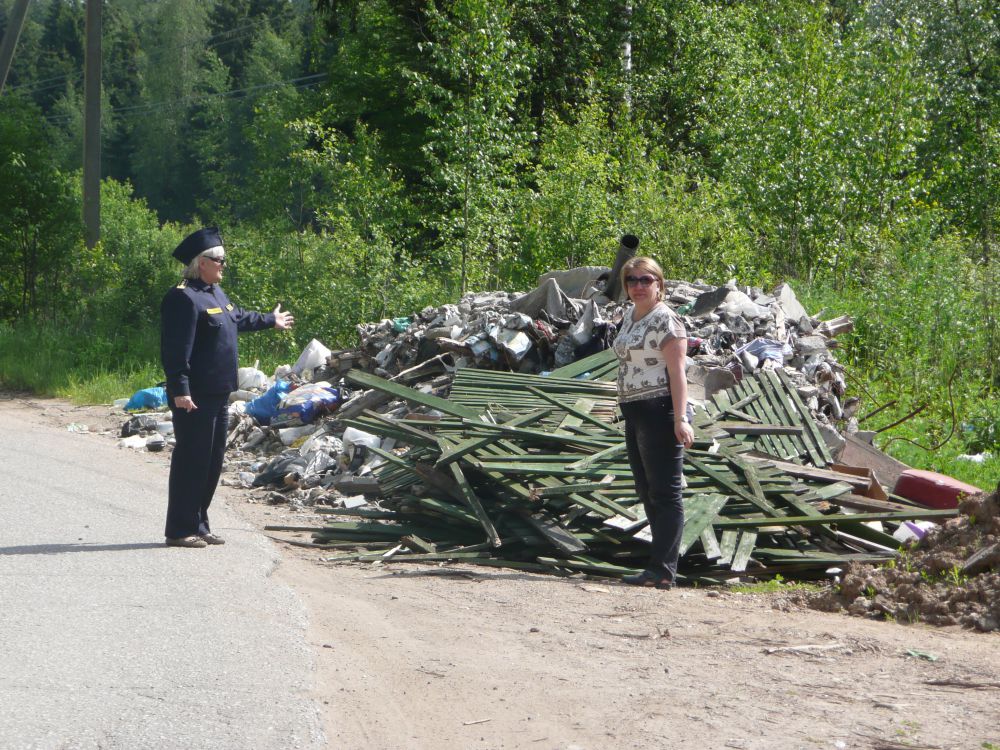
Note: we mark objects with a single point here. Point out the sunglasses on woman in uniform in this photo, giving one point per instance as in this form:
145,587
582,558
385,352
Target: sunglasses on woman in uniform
220,261
639,280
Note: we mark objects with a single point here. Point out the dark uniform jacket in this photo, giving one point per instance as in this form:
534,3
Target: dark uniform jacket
198,328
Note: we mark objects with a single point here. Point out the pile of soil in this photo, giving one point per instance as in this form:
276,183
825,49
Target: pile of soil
950,577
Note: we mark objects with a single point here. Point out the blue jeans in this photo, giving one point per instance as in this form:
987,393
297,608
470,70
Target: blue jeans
657,462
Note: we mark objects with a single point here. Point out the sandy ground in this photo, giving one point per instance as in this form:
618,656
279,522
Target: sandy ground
449,657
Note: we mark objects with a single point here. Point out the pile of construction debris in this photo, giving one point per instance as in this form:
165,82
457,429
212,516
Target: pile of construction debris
733,331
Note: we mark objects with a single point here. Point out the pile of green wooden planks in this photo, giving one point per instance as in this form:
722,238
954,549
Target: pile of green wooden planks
530,472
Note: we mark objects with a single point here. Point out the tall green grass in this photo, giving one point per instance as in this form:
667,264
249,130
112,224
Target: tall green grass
84,367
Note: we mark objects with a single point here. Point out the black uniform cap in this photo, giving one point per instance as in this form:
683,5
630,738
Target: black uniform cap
196,243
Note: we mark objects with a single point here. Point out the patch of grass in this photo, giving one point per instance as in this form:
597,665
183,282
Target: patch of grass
105,386
77,365
774,586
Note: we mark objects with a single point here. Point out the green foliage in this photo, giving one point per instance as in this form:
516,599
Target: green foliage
819,127
475,147
592,187
40,230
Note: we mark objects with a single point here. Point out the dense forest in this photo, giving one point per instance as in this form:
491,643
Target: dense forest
367,158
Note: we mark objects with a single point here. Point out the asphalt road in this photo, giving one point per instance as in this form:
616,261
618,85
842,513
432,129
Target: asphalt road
110,640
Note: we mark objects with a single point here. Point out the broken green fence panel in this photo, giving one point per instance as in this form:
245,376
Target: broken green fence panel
359,377
470,445
580,409
603,455
728,483
418,545
924,514
558,536
744,549
699,512
567,489
778,393
831,491
710,544
727,545
587,364
477,507
590,564
773,406
817,436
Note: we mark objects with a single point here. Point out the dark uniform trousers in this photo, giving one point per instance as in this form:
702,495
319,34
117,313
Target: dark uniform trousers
196,463
657,462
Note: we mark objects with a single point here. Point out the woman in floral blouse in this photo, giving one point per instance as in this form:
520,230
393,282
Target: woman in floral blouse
652,393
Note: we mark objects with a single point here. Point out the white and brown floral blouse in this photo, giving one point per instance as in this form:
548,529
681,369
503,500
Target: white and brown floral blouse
642,373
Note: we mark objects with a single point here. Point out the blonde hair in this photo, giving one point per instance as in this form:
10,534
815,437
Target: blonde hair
641,262
193,269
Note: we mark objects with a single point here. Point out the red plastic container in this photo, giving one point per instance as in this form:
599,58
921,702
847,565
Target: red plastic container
932,489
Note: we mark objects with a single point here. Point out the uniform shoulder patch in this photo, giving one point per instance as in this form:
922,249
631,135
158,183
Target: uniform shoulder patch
182,285
229,306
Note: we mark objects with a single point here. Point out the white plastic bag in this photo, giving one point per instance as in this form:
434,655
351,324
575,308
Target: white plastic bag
251,378
313,356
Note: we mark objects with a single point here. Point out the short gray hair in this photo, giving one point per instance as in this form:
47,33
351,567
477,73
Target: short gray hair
192,270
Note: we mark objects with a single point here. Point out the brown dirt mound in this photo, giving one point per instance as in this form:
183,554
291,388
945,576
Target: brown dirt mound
951,577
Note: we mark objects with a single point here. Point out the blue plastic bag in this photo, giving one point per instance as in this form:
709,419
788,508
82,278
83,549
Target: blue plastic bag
263,408
147,398
306,403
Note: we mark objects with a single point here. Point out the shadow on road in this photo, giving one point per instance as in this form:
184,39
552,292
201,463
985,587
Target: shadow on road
58,549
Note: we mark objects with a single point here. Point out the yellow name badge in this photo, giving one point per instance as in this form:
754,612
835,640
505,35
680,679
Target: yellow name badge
214,310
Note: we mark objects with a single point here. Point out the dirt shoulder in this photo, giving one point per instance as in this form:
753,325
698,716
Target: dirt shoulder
451,657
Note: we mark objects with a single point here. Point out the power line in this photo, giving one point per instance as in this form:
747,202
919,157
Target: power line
39,83
206,45
300,83
158,105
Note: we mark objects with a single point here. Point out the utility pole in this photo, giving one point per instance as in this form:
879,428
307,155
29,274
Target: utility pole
92,125
16,23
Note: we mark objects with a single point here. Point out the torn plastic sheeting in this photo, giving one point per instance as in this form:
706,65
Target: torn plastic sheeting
278,467
355,437
548,297
479,346
517,321
583,330
250,378
291,435
776,351
135,442
575,281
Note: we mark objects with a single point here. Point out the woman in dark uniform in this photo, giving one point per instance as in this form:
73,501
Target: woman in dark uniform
199,326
